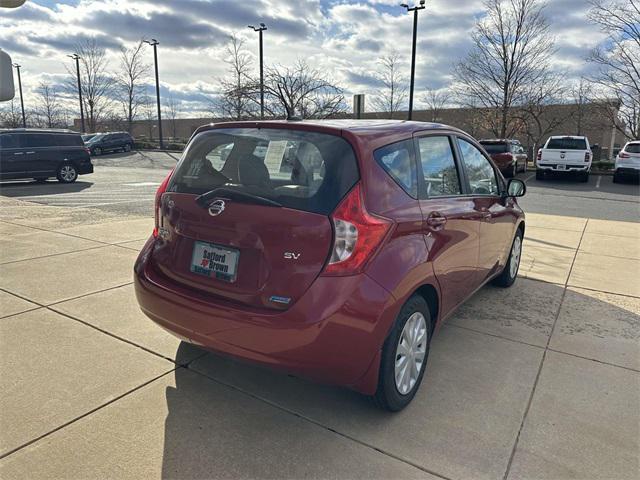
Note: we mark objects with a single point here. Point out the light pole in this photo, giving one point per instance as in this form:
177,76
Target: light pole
24,119
76,57
154,43
413,50
261,29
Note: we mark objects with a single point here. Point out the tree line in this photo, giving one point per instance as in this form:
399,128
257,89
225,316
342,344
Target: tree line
505,83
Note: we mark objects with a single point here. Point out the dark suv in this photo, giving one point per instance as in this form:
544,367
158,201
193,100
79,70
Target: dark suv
40,154
330,249
509,155
110,142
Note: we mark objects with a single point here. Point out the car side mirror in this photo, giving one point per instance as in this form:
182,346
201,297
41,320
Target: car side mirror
516,188
7,89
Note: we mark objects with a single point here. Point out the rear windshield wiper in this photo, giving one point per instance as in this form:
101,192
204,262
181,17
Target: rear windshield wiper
203,200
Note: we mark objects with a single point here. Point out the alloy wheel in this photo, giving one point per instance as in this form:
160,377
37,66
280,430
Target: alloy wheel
410,353
514,260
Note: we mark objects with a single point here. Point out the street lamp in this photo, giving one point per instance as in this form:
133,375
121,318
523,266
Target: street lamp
154,43
260,29
76,57
413,50
24,119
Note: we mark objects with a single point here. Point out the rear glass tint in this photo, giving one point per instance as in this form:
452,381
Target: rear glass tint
632,148
567,144
495,147
301,170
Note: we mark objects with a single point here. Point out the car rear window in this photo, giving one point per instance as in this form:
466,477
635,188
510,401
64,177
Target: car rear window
632,148
302,170
567,144
495,147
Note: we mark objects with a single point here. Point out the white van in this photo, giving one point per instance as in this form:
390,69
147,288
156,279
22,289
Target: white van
565,154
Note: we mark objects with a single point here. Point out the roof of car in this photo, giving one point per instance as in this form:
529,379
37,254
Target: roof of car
37,130
568,136
505,140
356,127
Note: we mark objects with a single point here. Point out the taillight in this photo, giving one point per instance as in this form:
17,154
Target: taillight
357,235
539,157
624,155
587,156
86,149
161,189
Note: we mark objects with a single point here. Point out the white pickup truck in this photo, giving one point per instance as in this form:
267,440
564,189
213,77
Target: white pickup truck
565,154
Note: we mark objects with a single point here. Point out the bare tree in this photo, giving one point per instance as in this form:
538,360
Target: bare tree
171,112
540,113
512,47
149,113
238,88
49,110
301,90
11,114
394,86
618,59
436,101
581,95
97,85
130,81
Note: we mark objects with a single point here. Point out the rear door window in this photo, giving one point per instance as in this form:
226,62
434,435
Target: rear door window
36,140
9,141
301,170
397,160
567,144
480,174
439,167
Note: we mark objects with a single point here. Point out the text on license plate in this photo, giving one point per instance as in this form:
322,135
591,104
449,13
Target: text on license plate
214,261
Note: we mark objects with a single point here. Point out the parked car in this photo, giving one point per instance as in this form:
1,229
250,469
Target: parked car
339,268
110,142
628,162
40,154
508,155
88,136
565,154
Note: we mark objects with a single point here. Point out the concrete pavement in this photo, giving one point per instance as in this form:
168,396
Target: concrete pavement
538,381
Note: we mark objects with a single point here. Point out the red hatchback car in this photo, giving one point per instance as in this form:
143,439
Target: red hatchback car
329,249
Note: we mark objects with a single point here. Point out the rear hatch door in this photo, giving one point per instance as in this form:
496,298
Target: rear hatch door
245,217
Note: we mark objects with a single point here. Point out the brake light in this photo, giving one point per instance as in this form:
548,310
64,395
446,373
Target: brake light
539,157
357,235
161,189
86,149
587,156
624,155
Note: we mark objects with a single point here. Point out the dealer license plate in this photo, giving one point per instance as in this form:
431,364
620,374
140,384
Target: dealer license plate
215,261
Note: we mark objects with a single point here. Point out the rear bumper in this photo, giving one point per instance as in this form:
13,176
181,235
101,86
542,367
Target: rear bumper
84,168
555,167
628,170
333,334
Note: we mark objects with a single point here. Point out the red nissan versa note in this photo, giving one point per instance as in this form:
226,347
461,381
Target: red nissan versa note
329,249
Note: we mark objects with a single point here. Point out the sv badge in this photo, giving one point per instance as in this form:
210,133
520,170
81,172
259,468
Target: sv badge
291,255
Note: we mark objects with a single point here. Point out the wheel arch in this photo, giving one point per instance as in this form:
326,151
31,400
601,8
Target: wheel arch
432,297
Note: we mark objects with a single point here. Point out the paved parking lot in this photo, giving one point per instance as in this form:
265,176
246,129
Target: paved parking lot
538,381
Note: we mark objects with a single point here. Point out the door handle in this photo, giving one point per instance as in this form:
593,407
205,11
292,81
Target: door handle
19,153
436,220
28,153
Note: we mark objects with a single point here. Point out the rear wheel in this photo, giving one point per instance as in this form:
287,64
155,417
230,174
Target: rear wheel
512,171
510,271
616,177
539,174
67,173
584,177
404,356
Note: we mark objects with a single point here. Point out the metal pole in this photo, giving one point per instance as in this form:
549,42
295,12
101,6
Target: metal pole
80,93
155,59
24,119
261,80
413,62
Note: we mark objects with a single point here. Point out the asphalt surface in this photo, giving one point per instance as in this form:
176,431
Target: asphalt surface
126,183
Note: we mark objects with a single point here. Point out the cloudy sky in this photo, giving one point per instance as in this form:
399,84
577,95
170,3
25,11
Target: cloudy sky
343,38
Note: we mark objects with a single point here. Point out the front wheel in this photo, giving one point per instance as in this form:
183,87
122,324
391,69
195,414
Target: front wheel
67,173
127,147
510,271
404,356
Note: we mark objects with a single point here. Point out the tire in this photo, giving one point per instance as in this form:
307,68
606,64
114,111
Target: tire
512,171
127,148
539,175
510,272
389,395
524,166
616,177
97,151
584,177
67,173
